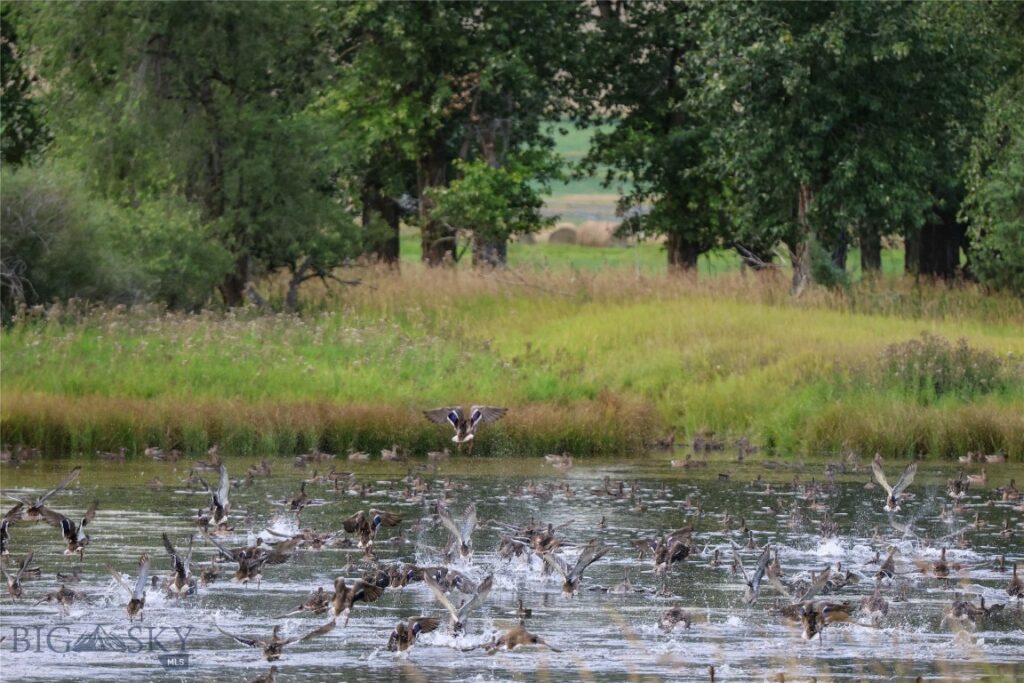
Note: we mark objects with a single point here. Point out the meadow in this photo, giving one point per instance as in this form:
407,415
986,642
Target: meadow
590,361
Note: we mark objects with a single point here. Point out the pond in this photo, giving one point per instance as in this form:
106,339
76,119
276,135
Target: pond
814,514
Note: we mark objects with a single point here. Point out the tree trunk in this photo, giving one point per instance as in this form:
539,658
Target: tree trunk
682,254
934,250
382,244
438,241
840,252
232,288
801,252
870,249
489,252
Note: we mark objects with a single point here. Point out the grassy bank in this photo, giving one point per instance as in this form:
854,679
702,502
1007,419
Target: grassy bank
589,363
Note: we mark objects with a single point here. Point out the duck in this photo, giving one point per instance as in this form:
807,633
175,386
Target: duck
404,635
74,535
957,488
980,479
572,577
366,525
14,582
887,570
875,605
32,509
272,648
458,615
672,617
671,549
220,506
461,531
298,503
515,637
318,602
1016,587
137,599
64,597
892,500
250,560
561,461
9,517
753,581
394,454
268,677
345,597
182,582
465,428
814,616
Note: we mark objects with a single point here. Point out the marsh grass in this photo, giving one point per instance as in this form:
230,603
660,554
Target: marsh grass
589,362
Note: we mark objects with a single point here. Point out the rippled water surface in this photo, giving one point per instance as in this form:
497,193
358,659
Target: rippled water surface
604,636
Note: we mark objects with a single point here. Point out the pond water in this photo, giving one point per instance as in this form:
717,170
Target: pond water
604,636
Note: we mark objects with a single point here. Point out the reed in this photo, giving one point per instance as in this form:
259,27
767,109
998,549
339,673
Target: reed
589,362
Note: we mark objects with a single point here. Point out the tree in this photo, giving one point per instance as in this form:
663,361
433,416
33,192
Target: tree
208,102
452,82
495,202
834,118
994,203
658,143
22,131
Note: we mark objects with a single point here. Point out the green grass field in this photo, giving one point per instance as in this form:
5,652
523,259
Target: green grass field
603,362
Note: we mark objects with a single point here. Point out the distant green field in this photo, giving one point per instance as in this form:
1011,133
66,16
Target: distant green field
646,257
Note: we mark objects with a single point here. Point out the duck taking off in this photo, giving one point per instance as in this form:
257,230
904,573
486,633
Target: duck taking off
465,428
892,500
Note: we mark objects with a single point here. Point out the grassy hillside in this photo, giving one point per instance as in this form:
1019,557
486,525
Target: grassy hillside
599,362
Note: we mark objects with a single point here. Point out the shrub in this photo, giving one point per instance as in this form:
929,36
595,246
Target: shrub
931,367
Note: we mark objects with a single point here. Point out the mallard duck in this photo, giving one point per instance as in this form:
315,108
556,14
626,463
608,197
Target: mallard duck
273,648
591,553
137,601
1016,587
345,597
753,581
465,429
875,604
980,479
887,570
64,597
814,616
461,531
250,560
182,582
366,525
9,517
515,637
672,617
14,582
892,500
957,488
458,615
220,506
32,509
670,550
74,535
404,634
318,602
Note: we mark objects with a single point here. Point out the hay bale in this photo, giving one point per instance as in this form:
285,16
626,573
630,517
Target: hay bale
564,235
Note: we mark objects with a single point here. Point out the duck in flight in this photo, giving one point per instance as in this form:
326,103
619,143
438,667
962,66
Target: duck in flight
465,428
892,500
74,534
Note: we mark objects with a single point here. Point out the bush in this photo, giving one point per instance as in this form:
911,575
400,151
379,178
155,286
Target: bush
931,367
58,242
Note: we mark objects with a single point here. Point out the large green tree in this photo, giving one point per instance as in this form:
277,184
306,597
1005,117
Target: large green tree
441,83
640,69
209,102
834,118
22,130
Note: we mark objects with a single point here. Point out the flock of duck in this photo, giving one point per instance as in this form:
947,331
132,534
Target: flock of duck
813,602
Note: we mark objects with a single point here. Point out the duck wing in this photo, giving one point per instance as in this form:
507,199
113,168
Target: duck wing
385,518
355,522
556,563
223,487
72,475
250,642
23,566
880,477
441,596
446,519
140,583
420,625
478,415
478,598
367,592
56,519
326,628
816,586
591,554
450,416
468,522
905,479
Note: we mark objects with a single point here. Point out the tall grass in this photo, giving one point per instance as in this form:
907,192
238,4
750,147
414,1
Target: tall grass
588,362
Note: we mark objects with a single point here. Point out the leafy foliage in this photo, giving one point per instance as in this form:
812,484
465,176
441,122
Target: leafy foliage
22,131
931,367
